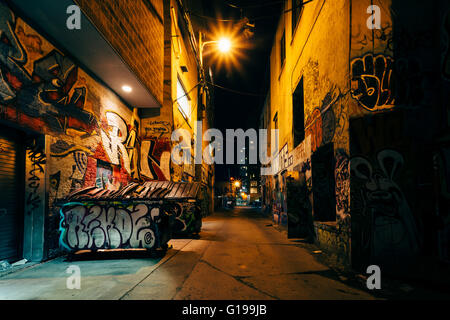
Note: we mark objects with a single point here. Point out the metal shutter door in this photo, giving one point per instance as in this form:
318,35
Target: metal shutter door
9,193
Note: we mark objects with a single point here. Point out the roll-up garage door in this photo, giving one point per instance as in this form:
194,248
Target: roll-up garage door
9,195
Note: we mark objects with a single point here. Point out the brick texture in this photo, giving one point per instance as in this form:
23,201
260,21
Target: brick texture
135,30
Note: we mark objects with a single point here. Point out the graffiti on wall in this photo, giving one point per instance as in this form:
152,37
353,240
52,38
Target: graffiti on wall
379,83
384,40
391,229
322,121
152,158
35,175
114,140
342,185
372,82
104,177
157,128
44,90
49,88
155,158
68,169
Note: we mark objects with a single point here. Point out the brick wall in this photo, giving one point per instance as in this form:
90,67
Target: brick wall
135,30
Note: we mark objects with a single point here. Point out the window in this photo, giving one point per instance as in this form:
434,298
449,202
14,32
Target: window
183,101
297,7
275,121
298,114
282,49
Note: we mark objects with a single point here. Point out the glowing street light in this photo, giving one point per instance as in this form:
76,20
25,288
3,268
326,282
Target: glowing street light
224,45
237,184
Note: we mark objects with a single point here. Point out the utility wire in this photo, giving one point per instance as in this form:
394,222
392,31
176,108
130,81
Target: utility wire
187,93
251,19
272,3
236,91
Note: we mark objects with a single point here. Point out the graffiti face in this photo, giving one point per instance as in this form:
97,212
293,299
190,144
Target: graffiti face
394,230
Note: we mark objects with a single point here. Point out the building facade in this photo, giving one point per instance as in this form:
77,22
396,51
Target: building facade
362,114
67,121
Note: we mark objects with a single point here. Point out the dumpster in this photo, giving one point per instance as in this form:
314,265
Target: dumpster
135,216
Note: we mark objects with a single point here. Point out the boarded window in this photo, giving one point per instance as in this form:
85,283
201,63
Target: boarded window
298,114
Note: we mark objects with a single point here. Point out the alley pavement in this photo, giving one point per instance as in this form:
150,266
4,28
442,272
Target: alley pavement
238,255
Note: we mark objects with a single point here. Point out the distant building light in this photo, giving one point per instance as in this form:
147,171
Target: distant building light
127,89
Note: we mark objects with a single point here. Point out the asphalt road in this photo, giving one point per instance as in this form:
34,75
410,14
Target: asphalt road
238,255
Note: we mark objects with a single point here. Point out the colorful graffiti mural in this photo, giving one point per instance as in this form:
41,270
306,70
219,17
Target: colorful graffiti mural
47,94
44,90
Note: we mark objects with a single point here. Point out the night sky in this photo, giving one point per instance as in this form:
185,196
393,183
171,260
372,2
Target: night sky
233,110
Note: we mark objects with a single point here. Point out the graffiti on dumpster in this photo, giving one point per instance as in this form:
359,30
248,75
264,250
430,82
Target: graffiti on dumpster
95,227
86,226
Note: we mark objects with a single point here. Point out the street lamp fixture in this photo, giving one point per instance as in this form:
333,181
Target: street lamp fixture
223,44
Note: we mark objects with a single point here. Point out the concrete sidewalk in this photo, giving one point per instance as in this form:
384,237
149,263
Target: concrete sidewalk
238,256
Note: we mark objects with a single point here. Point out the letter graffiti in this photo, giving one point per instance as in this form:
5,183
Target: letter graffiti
372,83
155,159
157,129
113,141
37,160
96,227
121,143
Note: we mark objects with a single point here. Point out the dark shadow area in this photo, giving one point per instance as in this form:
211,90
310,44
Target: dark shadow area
115,255
186,236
